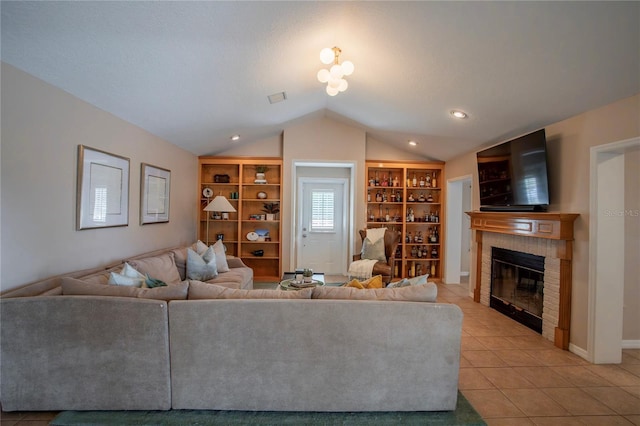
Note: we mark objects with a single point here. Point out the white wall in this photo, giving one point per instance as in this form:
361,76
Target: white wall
42,127
569,142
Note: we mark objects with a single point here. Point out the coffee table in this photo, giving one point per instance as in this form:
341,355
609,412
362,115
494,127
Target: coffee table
288,277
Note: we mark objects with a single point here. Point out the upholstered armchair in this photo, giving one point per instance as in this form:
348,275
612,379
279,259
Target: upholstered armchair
383,267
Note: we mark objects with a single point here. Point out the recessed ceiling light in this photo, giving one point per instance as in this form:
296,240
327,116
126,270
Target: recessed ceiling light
413,143
459,114
235,137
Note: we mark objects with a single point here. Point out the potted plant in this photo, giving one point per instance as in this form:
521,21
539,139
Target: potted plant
307,275
261,169
271,209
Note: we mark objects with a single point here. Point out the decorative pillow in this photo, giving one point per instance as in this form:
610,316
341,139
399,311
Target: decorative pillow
221,257
75,287
201,268
374,251
419,280
162,267
373,282
418,293
402,283
127,277
199,247
218,248
153,282
200,290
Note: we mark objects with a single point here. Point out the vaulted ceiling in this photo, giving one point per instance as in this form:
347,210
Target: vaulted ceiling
196,73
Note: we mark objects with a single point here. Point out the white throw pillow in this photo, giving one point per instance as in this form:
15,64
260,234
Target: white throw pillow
221,257
419,280
127,277
201,268
199,247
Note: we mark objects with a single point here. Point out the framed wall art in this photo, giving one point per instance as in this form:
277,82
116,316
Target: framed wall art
155,184
102,189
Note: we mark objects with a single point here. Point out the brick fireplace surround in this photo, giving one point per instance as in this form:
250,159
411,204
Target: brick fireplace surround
544,234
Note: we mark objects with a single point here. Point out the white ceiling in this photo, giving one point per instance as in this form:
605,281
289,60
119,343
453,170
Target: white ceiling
195,73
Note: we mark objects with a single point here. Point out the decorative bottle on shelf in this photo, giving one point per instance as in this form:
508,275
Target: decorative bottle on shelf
414,183
408,237
429,183
368,196
437,236
424,252
379,196
414,252
419,269
387,217
429,198
433,269
432,236
419,252
396,182
422,181
434,182
434,252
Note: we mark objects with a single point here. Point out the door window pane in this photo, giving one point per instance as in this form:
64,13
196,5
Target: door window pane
322,208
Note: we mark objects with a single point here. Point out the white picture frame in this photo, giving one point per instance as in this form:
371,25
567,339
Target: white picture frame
155,186
102,189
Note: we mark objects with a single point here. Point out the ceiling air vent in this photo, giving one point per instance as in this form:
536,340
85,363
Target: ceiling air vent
277,97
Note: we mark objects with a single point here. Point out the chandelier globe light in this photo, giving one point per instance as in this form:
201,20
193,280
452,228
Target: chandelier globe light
334,76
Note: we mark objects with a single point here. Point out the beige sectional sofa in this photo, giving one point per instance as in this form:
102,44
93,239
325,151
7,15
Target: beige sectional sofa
231,349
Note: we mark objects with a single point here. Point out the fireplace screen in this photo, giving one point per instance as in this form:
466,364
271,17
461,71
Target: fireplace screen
517,284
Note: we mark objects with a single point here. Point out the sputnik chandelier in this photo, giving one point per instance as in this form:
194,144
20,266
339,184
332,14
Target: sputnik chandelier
334,75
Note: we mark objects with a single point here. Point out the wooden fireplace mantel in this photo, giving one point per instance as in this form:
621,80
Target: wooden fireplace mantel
556,226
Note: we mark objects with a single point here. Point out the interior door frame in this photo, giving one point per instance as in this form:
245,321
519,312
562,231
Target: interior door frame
344,182
606,242
350,223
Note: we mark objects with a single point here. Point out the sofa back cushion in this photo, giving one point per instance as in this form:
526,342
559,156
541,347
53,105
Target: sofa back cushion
75,287
200,290
162,267
418,293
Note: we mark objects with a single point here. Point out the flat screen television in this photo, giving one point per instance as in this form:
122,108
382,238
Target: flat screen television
513,175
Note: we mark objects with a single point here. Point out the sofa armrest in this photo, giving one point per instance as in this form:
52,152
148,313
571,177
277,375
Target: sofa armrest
235,262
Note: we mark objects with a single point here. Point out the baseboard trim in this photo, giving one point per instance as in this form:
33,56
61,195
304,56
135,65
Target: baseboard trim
579,351
631,344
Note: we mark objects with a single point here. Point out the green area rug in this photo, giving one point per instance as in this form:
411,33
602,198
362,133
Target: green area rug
464,414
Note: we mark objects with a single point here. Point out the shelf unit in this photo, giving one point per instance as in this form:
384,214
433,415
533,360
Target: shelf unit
402,197
494,176
242,192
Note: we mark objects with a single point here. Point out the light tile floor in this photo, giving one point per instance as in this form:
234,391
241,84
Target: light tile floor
513,376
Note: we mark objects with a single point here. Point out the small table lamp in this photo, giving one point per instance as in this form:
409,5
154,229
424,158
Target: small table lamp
219,204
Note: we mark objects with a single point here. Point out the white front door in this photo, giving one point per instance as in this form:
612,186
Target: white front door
320,229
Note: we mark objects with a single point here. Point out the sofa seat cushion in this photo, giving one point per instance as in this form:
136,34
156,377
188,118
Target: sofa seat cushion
235,278
200,290
76,287
162,267
418,293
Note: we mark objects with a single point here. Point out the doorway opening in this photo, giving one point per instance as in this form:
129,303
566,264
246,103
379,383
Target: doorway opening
458,247
323,216
607,249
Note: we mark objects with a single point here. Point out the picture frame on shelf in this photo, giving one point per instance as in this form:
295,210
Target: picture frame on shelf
155,191
102,193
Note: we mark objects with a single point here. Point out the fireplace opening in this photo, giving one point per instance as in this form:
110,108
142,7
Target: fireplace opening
517,286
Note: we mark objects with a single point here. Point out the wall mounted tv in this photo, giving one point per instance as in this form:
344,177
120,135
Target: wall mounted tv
513,175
